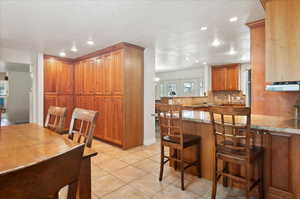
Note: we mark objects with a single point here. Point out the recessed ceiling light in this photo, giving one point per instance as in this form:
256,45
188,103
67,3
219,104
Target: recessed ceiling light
62,54
74,49
197,61
233,19
90,42
204,63
203,28
232,51
187,59
156,79
216,43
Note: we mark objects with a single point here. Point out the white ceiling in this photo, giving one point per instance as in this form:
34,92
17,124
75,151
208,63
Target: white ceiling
172,27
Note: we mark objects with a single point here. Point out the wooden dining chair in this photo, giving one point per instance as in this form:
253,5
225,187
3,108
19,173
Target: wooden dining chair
83,124
55,119
234,144
171,133
45,178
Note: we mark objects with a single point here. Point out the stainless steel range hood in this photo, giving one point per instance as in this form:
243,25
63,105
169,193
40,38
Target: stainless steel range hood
284,86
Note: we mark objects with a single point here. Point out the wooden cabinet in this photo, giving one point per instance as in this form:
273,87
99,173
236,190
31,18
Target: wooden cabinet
109,81
50,75
68,102
225,77
65,79
282,166
49,100
78,78
218,79
88,76
117,73
282,40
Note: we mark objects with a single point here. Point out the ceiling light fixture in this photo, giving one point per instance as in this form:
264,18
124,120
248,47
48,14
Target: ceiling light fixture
232,51
203,28
187,59
204,63
233,19
197,61
216,43
90,42
74,49
62,54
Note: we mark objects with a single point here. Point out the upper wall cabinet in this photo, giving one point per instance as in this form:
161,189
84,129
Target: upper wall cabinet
225,77
282,40
58,76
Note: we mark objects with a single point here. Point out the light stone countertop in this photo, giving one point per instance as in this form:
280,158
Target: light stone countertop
260,122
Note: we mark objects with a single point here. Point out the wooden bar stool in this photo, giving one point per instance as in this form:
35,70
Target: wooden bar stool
234,144
55,119
87,123
171,133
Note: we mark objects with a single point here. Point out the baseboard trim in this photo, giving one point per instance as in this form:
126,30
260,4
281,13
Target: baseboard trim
149,141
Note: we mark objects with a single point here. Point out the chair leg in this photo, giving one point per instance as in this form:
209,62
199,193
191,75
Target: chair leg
72,190
182,170
214,180
226,170
198,160
261,175
162,153
175,155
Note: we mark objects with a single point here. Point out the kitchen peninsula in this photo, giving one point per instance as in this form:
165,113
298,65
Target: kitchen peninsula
280,138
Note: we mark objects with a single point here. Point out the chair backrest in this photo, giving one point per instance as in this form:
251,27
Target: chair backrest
85,120
55,119
45,178
231,128
170,120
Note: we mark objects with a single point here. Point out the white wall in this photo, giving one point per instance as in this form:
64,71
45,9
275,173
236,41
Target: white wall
195,75
19,84
149,96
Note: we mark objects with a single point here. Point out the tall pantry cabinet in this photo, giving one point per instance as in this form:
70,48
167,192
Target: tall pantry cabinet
110,81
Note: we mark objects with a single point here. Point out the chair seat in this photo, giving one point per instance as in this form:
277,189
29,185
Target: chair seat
188,140
240,156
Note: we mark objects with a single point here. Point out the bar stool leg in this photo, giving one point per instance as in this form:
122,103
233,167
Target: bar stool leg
226,170
248,179
162,154
214,180
198,159
261,175
182,169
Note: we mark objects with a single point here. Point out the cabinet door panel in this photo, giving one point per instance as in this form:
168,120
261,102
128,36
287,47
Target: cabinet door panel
65,78
85,102
232,79
117,118
88,77
50,75
218,78
100,124
117,73
78,78
68,102
49,100
100,77
107,74
108,119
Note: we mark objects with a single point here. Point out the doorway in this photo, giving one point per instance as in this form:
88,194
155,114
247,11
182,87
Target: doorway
15,87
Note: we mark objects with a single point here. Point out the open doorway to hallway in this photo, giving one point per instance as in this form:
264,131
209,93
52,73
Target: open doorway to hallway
15,87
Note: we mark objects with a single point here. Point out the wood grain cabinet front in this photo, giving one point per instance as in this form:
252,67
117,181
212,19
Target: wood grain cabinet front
225,77
109,81
50,76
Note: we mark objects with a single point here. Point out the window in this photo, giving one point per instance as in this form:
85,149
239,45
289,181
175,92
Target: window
171,88
188,88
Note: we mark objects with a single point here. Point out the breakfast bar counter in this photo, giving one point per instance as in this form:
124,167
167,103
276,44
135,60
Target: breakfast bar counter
280,138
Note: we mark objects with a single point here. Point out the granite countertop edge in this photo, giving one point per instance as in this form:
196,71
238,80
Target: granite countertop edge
267,128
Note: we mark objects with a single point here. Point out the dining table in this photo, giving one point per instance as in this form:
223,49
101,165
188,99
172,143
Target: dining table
25,144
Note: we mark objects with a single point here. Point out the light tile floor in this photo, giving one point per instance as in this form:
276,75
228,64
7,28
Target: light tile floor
133,174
